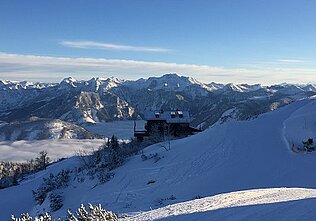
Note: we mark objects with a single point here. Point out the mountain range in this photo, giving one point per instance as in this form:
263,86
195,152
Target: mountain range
81,103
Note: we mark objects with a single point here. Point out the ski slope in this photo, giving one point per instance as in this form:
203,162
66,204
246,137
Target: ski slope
215,165
280,204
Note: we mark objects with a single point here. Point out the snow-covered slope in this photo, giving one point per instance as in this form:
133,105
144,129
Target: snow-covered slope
226,158
18,199
281,204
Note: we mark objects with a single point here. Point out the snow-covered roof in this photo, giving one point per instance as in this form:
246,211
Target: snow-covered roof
175,116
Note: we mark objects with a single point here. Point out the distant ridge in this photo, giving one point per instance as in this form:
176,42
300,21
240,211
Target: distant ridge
106,99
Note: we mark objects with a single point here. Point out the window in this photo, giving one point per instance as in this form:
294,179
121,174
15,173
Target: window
180,113
173,114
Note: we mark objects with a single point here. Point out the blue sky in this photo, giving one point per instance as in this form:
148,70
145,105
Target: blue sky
246,41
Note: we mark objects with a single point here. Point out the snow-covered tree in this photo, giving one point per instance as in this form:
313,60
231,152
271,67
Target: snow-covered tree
91,213
95,213
24,217
27,217
70,216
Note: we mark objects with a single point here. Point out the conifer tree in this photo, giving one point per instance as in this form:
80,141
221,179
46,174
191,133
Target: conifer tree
42,160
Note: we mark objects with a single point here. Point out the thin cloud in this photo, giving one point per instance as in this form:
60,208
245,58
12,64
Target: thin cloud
109,46
53,69
290,60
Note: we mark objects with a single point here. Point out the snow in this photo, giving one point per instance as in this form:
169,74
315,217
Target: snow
27,150
260,97
167,82
260,204
17,200
70,81
309,87
301,125
112,82
55,127
238,155
239,170
241,87
16,85
215,86
230,114
89,116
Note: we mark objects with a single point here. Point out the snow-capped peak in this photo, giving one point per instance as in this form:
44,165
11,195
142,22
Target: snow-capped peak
69,80
115,79
5,82
309,87
234,87
193,80
172,81
112,82
241,87
15,85
215,86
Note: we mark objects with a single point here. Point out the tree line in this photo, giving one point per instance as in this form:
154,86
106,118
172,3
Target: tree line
12,172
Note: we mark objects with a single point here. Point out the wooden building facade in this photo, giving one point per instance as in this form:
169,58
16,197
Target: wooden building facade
166,123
